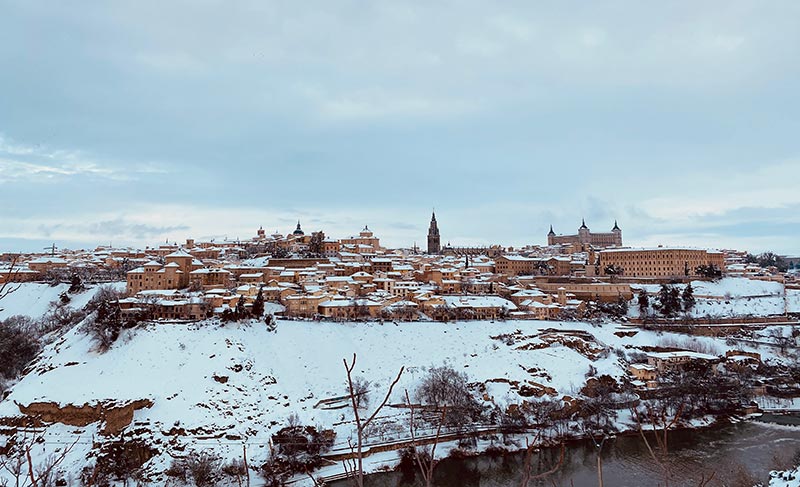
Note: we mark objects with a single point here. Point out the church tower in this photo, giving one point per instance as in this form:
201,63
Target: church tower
434,241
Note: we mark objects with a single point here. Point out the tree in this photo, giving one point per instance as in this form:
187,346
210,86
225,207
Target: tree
688,297
361,390
18,345
315,245
658,416
355,466
644,302
106,325
770,259
668,301
445,386
709,271
240,312
425,460
76,284
19,464
6,287
258,305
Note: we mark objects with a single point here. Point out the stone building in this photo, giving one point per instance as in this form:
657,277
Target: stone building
587,237
660,262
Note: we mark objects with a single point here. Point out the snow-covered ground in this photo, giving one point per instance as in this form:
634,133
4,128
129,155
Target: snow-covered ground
227,384
33,298
731,297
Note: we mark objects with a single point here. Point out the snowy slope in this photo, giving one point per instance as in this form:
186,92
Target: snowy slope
33,299
234,383
730,297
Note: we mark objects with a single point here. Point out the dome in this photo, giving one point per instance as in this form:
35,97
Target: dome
298,231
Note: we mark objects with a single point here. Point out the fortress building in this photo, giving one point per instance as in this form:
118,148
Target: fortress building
586,237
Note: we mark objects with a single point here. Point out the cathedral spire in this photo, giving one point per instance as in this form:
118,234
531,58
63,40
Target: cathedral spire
434,240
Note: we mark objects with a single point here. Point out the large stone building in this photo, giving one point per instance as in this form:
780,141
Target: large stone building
365,242
660,262
174,274
586,237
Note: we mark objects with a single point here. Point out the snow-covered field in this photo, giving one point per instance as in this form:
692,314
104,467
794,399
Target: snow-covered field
731,297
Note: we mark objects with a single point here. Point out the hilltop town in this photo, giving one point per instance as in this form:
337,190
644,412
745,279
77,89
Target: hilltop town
311,275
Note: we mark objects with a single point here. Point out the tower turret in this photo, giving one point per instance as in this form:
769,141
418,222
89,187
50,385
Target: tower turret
617,234
550,235
584,235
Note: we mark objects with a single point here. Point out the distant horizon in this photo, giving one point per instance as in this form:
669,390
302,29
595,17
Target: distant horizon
41,245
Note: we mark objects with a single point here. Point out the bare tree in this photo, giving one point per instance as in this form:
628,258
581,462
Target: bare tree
20,465
660,421
356,470
7,287
527,475
425,463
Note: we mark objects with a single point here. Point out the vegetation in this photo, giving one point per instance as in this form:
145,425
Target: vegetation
709,271
298,449
768,259
18,345
446,387
669,303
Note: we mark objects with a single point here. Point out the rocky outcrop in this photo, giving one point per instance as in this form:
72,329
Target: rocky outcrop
116,416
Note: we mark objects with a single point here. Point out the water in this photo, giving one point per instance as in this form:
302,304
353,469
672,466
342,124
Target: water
731,452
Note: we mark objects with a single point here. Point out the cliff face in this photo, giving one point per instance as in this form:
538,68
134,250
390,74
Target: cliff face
115,416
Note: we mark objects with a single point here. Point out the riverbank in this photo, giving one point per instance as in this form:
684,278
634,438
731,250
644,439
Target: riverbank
730,451
386,458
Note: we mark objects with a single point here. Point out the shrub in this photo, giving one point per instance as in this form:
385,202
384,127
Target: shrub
18,345
444,386
203,468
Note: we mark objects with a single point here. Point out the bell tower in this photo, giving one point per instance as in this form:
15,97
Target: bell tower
434,241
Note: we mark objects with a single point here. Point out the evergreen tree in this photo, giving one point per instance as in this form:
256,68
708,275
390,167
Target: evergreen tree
240,313
675,299
668,301
644,302
688,297
76,285
258,305
709,271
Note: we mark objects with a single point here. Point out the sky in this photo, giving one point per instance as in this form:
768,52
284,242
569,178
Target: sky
137,122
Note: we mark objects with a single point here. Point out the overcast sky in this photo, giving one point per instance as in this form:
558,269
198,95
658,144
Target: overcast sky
135,122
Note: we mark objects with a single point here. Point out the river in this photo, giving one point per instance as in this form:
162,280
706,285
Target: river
727,451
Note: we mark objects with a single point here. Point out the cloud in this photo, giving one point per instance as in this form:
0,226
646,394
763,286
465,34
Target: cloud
40,164
116,228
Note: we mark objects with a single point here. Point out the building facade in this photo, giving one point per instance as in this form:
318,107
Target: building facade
660,262
587,237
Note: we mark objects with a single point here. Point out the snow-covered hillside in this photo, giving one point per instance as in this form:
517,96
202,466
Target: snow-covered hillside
227,384
731,297
33,299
